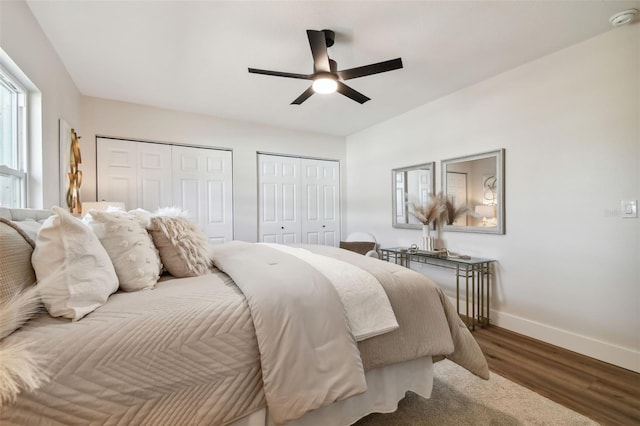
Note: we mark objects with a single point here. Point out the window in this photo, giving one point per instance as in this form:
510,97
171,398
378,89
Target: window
13,178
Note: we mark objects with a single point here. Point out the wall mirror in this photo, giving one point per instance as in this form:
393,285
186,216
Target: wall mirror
413,184
476,181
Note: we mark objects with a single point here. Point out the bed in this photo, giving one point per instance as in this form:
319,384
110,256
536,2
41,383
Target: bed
260,340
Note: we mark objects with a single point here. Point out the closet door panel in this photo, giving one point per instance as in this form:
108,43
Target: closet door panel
216,201
202,183
117,171
321,207
187,196
279,200
153,176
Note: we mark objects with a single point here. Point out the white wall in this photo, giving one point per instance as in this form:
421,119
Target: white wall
568,267
119,119
24,42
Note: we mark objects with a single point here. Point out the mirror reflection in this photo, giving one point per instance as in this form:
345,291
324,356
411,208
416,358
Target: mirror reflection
476,181
411,184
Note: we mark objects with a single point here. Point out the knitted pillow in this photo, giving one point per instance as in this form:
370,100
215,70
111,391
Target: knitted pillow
16,272
182,245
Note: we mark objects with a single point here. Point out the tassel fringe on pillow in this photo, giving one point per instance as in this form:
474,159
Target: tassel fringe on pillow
20,367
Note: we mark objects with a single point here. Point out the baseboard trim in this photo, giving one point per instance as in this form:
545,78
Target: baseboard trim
603,351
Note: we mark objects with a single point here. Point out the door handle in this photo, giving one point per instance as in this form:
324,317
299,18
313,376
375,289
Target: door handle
324,226
282,227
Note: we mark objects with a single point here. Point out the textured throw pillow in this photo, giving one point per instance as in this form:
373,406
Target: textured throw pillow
182,245
142,215
21,368
75,274
362,247
130,248
16,272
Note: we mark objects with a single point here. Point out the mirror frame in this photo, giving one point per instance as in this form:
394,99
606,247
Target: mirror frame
432,168
500,185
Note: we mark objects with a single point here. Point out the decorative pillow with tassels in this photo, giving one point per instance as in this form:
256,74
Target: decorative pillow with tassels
21,365
182,244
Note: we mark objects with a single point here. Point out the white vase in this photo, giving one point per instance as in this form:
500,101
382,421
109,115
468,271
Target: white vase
426,242
439,243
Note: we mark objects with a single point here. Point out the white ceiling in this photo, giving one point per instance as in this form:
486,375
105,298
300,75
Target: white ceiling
193,56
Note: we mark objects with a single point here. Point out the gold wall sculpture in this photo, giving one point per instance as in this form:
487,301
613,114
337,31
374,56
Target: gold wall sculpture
75,175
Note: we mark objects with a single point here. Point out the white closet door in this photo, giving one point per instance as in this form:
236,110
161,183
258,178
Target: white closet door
154,176
136,173
320,208
279,199
202,185
117,171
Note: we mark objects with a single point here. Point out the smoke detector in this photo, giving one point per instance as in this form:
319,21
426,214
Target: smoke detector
624,17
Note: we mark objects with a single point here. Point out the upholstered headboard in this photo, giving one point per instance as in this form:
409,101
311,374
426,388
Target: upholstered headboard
24,214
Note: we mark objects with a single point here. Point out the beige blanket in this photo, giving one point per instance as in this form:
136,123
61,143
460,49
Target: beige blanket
366,303
429,324
309,356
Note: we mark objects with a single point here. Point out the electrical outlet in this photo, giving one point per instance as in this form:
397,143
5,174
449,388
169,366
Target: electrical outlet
629,208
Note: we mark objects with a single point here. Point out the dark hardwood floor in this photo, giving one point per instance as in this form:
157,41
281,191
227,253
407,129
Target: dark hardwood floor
608,394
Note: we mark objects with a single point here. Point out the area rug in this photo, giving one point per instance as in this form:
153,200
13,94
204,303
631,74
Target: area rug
460,398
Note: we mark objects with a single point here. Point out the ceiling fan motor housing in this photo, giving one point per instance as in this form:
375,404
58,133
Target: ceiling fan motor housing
329,37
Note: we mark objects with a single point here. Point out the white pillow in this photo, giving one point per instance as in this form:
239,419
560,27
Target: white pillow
130,248
74,272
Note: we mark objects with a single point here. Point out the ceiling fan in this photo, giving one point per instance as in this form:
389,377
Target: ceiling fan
326,77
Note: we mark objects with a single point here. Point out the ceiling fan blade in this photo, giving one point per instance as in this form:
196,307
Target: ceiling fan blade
351,93
377,68
305,95
318,45
280,74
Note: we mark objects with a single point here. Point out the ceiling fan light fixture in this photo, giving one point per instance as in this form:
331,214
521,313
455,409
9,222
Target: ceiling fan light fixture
325,85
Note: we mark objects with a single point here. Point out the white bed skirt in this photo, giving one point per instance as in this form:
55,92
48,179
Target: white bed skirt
385,387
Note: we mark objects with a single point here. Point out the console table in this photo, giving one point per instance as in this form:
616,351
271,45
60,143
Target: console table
475,271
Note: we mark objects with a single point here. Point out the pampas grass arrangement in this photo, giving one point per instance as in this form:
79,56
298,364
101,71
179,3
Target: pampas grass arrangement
451,212
428,213
440,210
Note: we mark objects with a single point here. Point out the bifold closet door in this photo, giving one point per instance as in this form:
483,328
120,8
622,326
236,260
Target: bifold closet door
298,200
279,199
136,173
320,207
153,175
202,185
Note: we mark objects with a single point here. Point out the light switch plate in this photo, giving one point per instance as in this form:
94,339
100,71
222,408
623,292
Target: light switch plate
629,208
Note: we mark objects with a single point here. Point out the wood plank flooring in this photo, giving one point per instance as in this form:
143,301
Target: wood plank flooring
608,394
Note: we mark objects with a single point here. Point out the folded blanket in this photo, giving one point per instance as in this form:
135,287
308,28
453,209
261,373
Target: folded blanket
366,303
308,355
